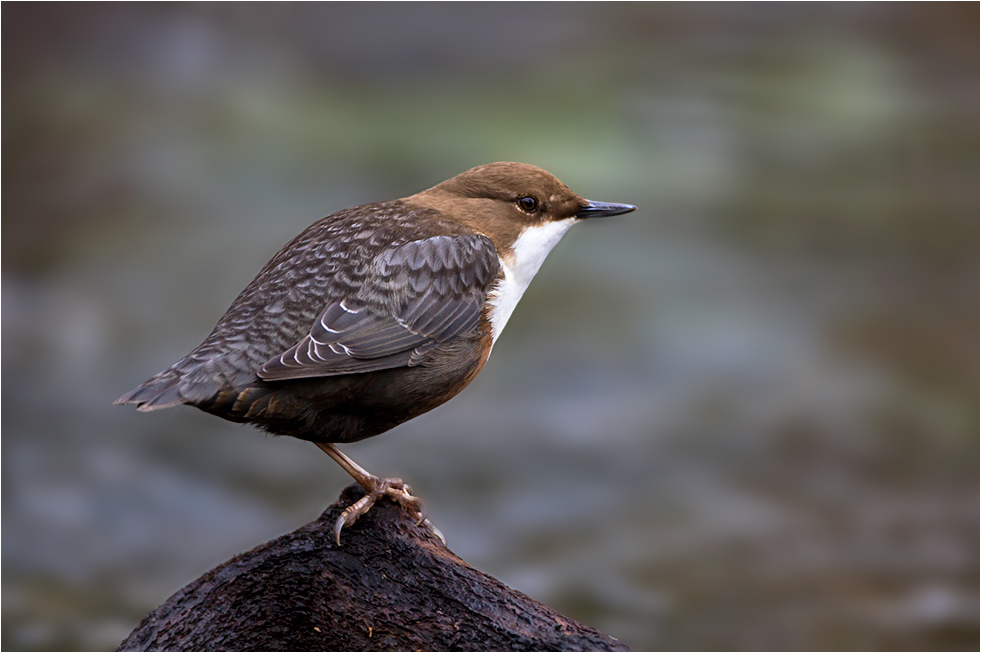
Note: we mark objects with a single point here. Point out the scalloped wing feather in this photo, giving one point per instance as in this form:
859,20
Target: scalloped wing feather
415,296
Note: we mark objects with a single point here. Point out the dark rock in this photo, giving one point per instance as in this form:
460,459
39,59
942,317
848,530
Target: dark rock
391,585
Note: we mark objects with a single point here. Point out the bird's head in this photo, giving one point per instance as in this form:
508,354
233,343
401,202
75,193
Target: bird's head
503,200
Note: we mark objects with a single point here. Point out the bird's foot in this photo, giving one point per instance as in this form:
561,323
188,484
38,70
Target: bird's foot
376,488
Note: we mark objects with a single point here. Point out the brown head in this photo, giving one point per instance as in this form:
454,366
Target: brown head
501,200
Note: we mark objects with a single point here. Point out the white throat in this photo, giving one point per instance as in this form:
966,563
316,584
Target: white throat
530,250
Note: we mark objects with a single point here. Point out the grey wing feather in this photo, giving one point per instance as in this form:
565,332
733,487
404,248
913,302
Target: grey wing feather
415,296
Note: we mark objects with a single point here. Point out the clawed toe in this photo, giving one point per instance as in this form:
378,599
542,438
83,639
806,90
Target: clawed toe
394,489
376,488
402,495
353,512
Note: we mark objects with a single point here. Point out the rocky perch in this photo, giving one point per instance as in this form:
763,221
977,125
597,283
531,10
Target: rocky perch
391,585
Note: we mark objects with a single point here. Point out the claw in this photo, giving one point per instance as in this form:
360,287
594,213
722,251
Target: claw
393,489
438,533
353,512
390,487
402,494
375,488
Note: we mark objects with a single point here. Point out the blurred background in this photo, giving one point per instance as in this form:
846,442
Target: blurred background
743,417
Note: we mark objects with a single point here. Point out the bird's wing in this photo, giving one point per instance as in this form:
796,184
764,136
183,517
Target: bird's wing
413,297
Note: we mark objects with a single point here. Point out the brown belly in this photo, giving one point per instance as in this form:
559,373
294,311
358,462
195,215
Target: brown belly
353,407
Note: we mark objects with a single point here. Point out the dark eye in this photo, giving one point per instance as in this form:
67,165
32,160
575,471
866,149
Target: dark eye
528,204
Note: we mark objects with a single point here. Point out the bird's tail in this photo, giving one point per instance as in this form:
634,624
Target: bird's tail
195,380
162,391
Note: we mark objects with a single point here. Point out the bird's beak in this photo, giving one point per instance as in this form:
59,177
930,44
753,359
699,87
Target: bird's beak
603,209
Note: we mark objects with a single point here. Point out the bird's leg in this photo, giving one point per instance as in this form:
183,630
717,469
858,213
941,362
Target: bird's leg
376,488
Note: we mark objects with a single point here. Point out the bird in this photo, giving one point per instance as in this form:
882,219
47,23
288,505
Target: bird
377,314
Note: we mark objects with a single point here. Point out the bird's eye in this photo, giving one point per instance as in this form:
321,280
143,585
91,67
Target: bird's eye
528,204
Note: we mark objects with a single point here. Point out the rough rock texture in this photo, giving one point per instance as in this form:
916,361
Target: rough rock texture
390,586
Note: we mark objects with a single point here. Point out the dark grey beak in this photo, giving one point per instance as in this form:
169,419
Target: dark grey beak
603,209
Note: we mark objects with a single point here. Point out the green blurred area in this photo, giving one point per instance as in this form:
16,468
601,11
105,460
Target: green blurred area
743,417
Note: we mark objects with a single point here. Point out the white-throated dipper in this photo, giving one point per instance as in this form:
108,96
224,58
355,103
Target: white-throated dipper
377,314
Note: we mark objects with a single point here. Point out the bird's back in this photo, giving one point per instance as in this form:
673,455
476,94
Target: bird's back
327,261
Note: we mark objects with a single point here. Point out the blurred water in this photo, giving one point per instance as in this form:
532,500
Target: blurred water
743,417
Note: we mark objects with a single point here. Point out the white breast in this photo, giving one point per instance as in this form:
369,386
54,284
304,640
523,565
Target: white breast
530,250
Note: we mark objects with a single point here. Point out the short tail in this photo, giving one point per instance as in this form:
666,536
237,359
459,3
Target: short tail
162,391
200,379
